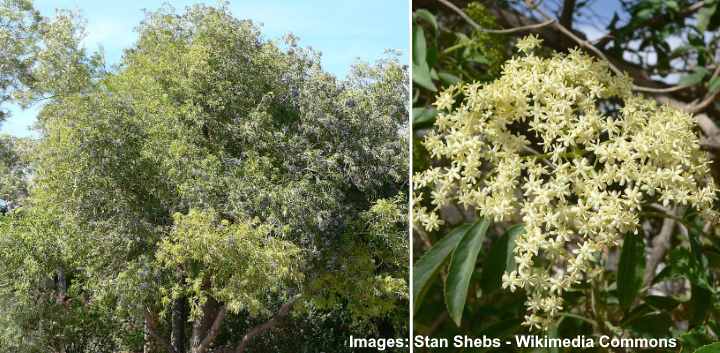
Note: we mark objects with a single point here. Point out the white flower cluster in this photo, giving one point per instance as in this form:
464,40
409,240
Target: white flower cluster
562,145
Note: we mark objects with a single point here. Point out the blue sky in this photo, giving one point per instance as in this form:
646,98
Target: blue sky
343,31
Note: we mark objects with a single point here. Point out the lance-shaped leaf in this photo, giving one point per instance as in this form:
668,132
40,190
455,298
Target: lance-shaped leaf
630,270
500,259
462,267
425,269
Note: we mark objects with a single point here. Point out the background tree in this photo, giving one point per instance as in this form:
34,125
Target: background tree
211,188
14,170
669,50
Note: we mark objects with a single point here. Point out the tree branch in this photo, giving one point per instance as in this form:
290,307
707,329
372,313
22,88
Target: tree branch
260,329
212,332
653,22
479,28
152,328
709,97
660,245
704,122
566,16
556,35
587,45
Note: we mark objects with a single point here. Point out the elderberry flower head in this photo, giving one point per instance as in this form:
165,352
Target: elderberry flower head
562,145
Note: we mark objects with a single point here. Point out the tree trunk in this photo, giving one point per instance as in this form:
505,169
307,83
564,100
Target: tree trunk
147,337
179,318
61,285
60,298
211,332
151,325
202,325
268,325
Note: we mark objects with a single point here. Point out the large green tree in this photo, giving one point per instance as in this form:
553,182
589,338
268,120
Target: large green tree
660,284
211,185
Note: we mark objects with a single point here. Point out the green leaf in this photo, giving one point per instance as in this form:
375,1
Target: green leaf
478,58
425,268
685,264
419,46
662,303
694,339
644,14
714,85
462,266
630,270
695,77
636,313
448,78
710,348
500,259
421,76
432,54
705,15
428,17
423,116
654,324
699,305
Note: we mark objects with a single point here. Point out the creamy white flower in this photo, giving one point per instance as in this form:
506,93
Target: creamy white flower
528,43
584,189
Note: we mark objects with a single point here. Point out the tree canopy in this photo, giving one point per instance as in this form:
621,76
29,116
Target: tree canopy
192,197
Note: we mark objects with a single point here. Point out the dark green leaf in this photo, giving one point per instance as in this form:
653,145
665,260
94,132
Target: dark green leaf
630,270
479,58
423,116
695,77
636,313
421,76
714,85
714,20
462,266
700,305
432,54
684,264
662,303
705,15
695,339
425,268
448,78
613,21
644,14
655,324
710,348
500,259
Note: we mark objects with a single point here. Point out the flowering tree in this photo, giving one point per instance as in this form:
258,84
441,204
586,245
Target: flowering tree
210,189
569,185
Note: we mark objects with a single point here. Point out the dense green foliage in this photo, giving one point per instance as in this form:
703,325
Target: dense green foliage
660,284
14,170
213,182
